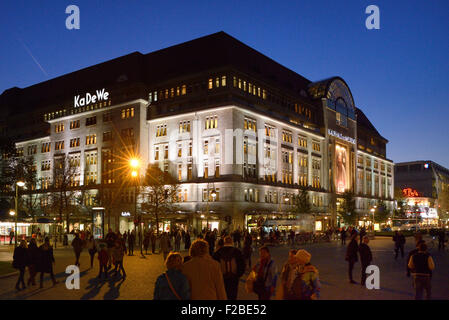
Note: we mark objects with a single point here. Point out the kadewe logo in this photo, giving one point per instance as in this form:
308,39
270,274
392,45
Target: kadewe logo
100,95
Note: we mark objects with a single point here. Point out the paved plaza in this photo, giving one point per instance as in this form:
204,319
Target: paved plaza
327,257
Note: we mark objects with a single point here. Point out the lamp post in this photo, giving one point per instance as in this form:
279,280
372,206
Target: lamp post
372,211
134,163
18,184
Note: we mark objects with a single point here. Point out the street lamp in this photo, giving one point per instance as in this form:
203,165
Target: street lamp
372,211
134,163
18,184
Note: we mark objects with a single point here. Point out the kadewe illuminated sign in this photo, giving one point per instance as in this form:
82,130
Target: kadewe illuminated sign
340,136
100,95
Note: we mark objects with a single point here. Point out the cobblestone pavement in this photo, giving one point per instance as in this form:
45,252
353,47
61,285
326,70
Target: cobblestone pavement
327,257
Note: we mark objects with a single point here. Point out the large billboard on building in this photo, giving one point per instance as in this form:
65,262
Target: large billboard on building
341,169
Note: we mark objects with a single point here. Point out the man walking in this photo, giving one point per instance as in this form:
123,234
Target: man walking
421,264
77,245
232,266
343,236
441,239
110,242
351,255
131,241
365,257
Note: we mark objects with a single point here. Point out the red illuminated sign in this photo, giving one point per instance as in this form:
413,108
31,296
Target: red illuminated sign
409,193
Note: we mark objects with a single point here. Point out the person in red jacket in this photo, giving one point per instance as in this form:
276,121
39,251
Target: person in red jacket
103,258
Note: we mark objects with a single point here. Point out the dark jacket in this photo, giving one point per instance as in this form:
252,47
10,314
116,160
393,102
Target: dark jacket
47,259
351,251
34,255
365,254
228,253
77,244
187,241
410,254
179,282
399,240
20,258
247,249
110,239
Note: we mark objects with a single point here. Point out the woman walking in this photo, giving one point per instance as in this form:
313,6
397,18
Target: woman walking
266,275
172,285
20,261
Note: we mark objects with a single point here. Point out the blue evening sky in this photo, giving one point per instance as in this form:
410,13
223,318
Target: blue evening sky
398,74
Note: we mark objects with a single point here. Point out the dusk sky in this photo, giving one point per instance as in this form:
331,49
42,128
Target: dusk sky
398,75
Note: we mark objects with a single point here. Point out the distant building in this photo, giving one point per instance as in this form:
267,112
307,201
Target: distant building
425,186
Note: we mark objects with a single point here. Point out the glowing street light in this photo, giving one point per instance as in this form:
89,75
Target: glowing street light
12,212
134,163
20,184
134,173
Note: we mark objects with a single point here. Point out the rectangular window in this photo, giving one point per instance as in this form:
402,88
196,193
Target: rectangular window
59,145
206,147
127,113
107,117
287,136
206,169
156,153
46,147
179,150
161,130
75,124
217,168
249,124
166,152
179,172
189,171
184,126
59,127
91,139
211,122
223,81
75,142
91,121
211,83
316,146
217,146
190,149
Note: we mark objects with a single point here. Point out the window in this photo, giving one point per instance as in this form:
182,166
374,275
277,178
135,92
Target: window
211,83
189,171
190,149
270,131
127,113
59,127
206,169
74,160
91,121
91,158
75,124
107,117
166,152
45,165
287,136
223,81
32,149
75,142
211,122
249,124
217,168
217,146
207,195
59,145
91,139
179,172
46,147
184,126
206,147
128,136
302,141
179,150
316,146
156,153
183,89
107,136
161,130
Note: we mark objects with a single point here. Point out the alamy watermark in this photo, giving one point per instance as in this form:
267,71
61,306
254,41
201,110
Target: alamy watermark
73,280
373,277
373,20
73,20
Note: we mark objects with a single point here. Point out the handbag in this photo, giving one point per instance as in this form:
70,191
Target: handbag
171,287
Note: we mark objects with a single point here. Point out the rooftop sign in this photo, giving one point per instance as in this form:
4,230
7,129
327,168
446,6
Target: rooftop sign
100,95
340,136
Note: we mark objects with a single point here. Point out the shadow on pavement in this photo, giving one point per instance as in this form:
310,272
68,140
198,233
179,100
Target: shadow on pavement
95,285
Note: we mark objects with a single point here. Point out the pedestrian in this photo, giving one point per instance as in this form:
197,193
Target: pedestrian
422,265
343,236
232,266
399,242
11,236
131,241
306,285
210,238
46,262
33,261
441,239
362,234
187,241
20,261
117,255
165,245
103,259
77,245
266,275
146,242
410,254
247,248
288,275
351,255
110,238
92,249
204,273
365,257
153,241
178,237
172,284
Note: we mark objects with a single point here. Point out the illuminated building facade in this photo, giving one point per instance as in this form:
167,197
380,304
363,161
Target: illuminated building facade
219,116
424,185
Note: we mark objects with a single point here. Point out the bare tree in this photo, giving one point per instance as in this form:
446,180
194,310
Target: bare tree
161,194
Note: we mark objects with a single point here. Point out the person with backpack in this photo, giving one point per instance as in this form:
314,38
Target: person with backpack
422,265
306,285
232,266
266,275
172,284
